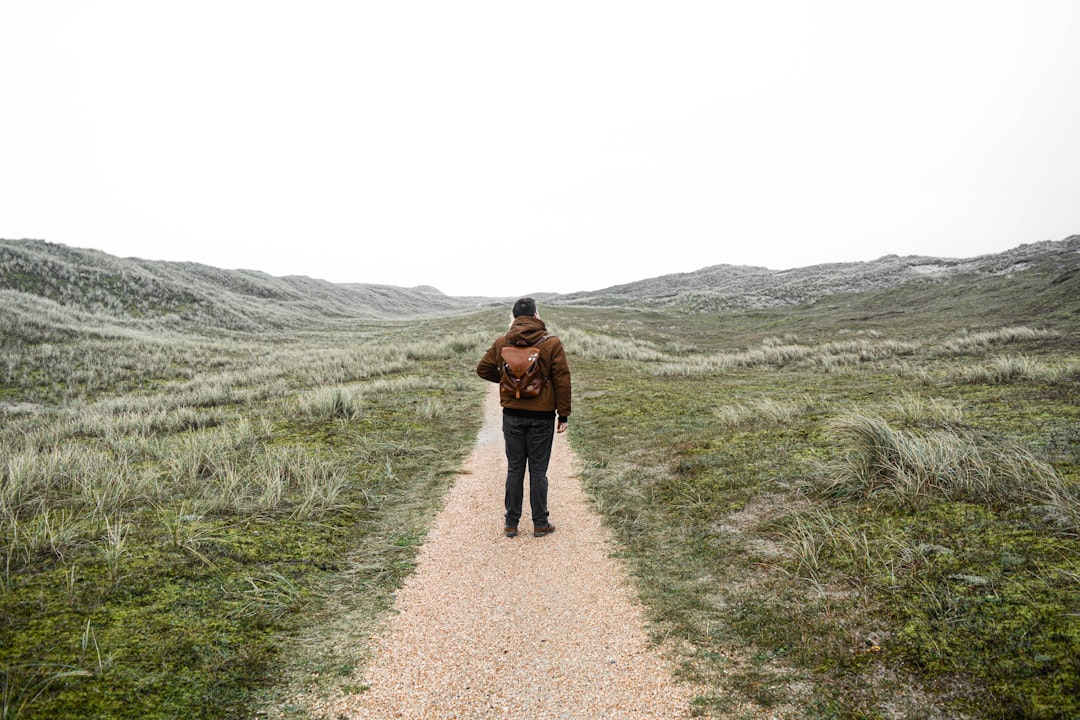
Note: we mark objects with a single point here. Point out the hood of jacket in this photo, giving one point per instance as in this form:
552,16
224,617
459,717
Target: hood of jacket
526,331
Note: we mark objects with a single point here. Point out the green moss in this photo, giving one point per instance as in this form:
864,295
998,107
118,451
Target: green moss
1001,609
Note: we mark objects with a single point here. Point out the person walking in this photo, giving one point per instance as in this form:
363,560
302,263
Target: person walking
532,413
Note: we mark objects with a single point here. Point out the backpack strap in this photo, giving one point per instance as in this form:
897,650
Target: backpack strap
536,345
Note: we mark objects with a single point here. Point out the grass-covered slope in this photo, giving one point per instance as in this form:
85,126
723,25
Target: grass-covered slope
733,287
201,470
183,515
93,283
867,507
860,507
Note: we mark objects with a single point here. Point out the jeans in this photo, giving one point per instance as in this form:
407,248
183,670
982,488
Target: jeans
528,440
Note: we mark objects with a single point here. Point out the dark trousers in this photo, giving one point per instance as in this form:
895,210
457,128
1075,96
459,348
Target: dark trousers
528,441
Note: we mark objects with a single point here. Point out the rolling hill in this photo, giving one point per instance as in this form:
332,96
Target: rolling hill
722,287
62,285
94,284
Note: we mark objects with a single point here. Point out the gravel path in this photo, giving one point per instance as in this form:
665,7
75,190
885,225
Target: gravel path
530,628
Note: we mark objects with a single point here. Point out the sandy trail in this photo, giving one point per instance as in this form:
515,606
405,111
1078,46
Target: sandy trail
531,628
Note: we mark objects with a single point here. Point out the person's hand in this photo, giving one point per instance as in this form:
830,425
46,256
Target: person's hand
561,427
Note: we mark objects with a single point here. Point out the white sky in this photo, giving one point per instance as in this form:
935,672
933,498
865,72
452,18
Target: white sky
588,143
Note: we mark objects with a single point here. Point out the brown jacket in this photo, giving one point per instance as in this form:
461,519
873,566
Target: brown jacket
555,395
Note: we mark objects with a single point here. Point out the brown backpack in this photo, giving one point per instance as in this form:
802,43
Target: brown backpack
521,375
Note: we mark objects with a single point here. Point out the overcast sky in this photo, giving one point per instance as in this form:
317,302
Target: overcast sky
499,148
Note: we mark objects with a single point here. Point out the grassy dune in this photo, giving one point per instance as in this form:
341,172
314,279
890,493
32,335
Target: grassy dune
866,507
179,511
838,512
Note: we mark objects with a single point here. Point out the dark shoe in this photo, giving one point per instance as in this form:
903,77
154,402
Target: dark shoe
510,530
542,530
